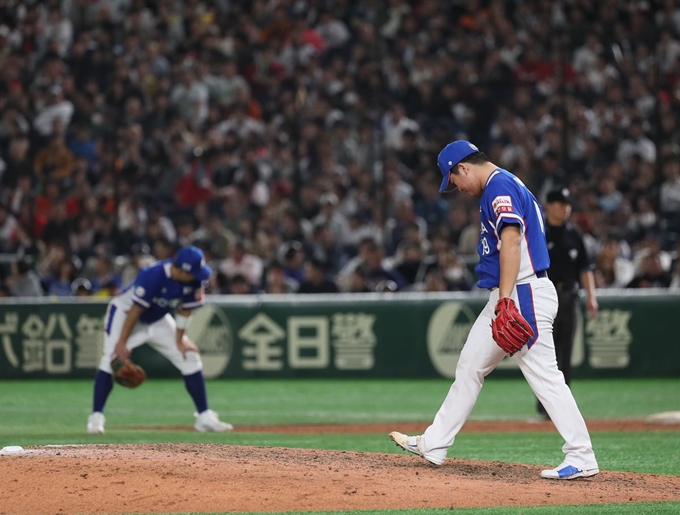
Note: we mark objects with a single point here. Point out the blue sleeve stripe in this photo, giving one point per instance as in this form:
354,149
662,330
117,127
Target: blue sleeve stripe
141,302
190,305
526,306
109,320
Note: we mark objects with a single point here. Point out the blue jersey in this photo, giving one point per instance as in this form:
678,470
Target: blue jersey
506,200
159,294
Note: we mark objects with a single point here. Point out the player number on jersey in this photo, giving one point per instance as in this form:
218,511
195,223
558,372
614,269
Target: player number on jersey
485,246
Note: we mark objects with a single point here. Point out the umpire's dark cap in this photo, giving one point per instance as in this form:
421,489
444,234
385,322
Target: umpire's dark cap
559,195
450,156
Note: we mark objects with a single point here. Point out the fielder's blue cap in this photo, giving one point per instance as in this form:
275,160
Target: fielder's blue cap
450,156
191,259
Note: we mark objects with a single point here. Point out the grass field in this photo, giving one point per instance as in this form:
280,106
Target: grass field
55,412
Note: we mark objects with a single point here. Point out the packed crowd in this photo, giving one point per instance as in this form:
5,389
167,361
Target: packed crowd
294,141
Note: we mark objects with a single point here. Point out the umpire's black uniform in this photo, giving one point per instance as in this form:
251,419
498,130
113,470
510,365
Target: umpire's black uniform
568,259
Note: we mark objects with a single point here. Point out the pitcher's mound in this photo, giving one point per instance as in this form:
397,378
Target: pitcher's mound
168,478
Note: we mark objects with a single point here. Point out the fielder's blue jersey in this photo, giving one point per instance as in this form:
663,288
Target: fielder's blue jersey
506,200
159,294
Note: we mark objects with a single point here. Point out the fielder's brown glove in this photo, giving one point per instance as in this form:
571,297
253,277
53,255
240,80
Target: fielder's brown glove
510,329
126,373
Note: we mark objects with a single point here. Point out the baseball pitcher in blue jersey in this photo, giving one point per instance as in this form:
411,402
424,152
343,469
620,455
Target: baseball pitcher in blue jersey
518,319
141,314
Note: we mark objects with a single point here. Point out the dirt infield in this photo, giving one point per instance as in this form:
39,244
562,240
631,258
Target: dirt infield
209,478
167,478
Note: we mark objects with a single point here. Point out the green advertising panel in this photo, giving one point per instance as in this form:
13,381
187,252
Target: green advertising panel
372,335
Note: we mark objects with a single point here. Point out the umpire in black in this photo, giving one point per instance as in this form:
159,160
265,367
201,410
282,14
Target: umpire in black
569,267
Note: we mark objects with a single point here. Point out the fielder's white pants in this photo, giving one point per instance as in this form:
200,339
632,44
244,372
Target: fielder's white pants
160,335
537,300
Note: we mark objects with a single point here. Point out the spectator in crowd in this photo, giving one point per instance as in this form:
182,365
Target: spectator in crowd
82,145
81,287
651,273
330,216
56,113
325,248
23,281
457,221
276,281
412,266
355,262
190,98
239,285
405,218
218,237
612,270
140,257
675,278
55,161
376,271
670,193
292,256
610,197
163,249
315,279
454,270
50,261
60,286
432,208
434,281
304,135
81,236
243,263
104,277
8,228
16,163
357,281
636,144
469,236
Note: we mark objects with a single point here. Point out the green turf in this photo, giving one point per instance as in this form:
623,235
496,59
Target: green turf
590,509
322,401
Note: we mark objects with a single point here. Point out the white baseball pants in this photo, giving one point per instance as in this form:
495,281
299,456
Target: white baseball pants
160,335
537,301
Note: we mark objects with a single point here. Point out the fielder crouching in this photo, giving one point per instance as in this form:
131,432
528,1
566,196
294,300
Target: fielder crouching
141,314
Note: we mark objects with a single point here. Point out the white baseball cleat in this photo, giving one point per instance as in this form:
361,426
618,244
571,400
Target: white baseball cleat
411,444
565,471
209,422
95,423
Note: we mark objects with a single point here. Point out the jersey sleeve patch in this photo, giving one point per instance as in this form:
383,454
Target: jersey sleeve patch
138,297
502,204
145,288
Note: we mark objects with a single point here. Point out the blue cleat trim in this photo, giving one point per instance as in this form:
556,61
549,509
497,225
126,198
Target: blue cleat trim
568,471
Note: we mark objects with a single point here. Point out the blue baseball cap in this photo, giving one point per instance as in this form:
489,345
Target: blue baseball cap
191,259
450,156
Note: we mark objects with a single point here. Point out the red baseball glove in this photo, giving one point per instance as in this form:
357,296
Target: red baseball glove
126,373
510,329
